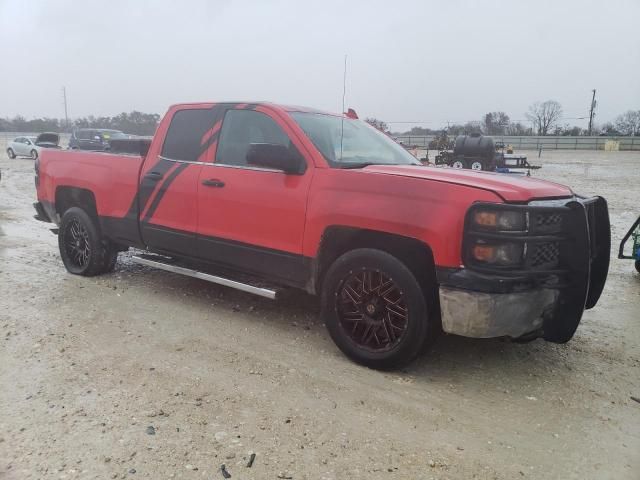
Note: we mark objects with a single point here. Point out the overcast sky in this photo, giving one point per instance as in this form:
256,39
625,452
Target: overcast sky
407,61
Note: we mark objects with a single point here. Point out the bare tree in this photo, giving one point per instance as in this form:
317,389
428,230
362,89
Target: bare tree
544,116
629,123
495,123
518,129
379,124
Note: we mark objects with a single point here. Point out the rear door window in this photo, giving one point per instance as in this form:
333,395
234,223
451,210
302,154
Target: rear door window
240,129
185,137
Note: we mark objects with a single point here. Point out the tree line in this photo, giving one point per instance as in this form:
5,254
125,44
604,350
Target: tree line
543,118
135,123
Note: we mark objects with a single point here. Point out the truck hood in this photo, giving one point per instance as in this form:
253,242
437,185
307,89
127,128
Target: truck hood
512,188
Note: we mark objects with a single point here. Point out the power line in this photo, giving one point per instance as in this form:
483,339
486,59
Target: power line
440,122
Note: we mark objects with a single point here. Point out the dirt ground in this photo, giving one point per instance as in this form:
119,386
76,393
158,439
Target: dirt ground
147,374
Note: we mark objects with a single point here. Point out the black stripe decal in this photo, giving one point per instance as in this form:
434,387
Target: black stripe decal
147,187
165,185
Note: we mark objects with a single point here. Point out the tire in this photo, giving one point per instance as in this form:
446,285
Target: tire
457,164
356,313
476,165
34,154
110,261
82,248
10,153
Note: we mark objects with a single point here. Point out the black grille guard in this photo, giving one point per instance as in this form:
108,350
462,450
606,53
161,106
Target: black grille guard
585,249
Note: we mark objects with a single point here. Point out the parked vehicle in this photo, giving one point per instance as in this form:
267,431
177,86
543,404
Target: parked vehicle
31,146
94,138
478,152
262,197
634,234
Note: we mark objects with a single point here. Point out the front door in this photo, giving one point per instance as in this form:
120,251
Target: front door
253,218
167,197
21,146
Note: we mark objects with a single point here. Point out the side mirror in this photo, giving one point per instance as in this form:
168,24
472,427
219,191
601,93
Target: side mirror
276,156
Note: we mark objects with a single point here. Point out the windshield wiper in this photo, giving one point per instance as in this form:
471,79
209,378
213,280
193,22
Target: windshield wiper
358,165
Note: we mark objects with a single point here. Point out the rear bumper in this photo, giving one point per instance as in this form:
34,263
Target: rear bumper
41,213
541,302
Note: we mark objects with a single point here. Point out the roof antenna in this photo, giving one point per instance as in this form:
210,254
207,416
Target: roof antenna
344,93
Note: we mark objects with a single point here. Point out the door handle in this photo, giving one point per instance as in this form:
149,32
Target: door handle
213,182
154,176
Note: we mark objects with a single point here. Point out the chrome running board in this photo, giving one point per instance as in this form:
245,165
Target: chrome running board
227,282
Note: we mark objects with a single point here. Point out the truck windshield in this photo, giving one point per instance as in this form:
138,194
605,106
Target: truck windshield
350,143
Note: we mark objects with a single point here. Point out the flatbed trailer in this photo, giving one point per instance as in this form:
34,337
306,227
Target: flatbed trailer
512,160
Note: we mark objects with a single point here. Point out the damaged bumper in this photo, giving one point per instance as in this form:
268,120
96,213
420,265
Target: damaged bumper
563,273
488,315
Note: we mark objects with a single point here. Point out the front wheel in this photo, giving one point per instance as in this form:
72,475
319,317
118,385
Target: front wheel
82,248
374,309
34,154
10,153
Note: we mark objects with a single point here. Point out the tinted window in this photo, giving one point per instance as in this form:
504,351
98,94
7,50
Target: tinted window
184,138
240,129
19,140
83,134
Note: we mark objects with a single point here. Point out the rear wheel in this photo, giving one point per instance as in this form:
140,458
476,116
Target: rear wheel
82,248
457,164
10,153
476,165
374,309
34,154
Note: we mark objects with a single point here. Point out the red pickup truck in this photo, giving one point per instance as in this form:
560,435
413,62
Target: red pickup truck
262,197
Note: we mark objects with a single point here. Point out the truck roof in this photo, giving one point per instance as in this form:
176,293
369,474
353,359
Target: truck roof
286,108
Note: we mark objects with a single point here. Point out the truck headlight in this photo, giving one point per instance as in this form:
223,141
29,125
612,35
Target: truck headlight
502,254
500,220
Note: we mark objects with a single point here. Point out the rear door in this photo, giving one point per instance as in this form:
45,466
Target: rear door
252,218
167,197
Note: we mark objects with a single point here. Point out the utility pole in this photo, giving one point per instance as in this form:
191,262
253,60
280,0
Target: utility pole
66,114
592,112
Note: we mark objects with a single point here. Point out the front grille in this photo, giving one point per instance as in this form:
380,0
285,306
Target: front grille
548,221
544,255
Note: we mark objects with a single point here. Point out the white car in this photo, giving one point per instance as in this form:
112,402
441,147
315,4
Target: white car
30,146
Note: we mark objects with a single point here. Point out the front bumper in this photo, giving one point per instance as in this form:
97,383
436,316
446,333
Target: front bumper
545,300
487,315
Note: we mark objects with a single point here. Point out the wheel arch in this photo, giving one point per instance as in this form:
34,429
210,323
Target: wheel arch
67,197
415,254
337,240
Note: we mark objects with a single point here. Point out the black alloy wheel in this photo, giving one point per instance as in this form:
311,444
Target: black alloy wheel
77,244
375,309
372,310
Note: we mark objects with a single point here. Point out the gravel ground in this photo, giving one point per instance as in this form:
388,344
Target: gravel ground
146,374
